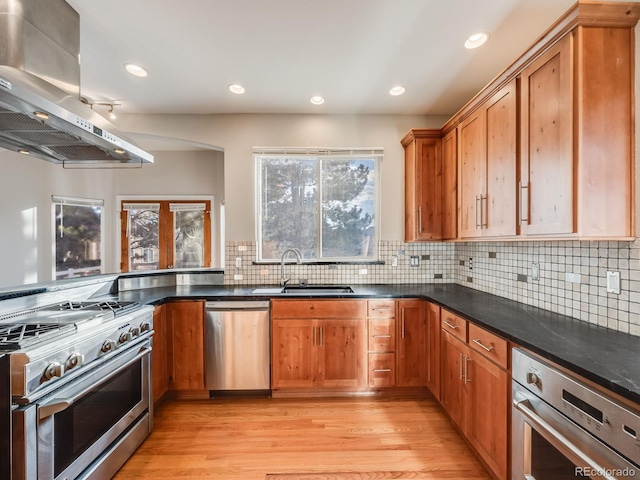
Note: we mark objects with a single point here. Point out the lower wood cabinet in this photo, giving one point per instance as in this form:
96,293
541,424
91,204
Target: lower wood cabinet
411,343
475,389
159,364
185,321
313,345
432,312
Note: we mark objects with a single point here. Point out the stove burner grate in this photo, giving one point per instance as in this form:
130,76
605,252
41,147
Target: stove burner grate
116,307
16,336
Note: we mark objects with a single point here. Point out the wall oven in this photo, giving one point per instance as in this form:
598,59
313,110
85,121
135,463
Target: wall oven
562,428
80,390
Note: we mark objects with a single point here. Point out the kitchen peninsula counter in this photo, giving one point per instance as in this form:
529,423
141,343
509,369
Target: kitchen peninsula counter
604,356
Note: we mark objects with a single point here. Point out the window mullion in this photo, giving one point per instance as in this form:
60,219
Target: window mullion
319,206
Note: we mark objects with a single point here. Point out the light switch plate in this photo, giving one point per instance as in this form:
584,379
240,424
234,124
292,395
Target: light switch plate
613,282
238,262
535,272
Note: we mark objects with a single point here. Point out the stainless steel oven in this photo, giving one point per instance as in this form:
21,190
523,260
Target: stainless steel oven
81,389
563,428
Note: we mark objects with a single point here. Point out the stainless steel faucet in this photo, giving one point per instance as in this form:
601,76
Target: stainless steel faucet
298,254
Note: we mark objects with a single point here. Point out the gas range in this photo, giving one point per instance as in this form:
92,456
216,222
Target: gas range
55,343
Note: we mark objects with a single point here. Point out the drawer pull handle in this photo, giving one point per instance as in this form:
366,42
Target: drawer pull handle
381,369
382,336
479,343
450,325
381,309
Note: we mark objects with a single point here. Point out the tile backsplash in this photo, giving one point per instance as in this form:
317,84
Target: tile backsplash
571,275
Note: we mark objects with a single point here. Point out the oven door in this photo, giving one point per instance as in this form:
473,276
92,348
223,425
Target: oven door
89,427
546,445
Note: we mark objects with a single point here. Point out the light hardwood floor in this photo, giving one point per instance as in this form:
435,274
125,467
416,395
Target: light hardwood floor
245,439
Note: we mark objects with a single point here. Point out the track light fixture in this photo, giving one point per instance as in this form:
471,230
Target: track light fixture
111,105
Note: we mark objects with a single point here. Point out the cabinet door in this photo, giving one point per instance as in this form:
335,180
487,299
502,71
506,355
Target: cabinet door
546,175
472,157
498,205
433,349
294,354
488,388
341,357
186,345
159,357
411,344
423,185
453,391
450,185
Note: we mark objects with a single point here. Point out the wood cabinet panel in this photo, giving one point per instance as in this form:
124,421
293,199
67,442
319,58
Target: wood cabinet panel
382,335
471,154
411,343
186,345
381,308
423,185
489,345
450,185
294,355
382,369
546,174
487,418
318,308
454,325
159,355
341,355
433,349
453,391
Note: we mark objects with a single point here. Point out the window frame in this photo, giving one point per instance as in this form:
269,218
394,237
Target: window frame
320,154
165,260
77,202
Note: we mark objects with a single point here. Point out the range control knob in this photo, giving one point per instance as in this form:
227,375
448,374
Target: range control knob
108,346
145,327
134,331
54,370
533,379
125,337
75,360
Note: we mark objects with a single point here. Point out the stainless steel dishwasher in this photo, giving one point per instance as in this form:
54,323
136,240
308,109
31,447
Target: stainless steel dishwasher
237,347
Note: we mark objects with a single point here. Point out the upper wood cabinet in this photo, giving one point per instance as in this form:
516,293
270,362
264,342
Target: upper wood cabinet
576,102
545,151
450,185
487,170
423,185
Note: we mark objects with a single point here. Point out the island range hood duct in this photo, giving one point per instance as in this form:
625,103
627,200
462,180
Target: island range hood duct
41,113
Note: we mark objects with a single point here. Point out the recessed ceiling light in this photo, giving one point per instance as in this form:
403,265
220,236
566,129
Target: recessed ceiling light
474,41
317,100
236,88
135,70
397,90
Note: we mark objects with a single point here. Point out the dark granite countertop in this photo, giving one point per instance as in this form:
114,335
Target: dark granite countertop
607,357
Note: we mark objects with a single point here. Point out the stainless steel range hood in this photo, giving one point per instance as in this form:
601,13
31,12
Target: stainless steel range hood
40,109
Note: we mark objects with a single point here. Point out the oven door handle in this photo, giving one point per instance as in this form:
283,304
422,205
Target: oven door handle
58,405
556,438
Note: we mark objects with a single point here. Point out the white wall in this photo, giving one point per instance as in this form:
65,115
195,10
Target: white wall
237,134
26,186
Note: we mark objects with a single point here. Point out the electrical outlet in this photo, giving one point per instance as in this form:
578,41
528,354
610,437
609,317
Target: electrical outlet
613,282
238,262
394,261
535,272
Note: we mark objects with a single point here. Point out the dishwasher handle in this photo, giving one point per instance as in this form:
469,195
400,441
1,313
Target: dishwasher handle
226,305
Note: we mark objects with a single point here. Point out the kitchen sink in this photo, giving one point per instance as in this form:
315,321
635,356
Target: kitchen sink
317,290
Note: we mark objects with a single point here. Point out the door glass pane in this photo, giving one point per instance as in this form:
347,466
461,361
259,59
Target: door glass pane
188,239
348,206
143,239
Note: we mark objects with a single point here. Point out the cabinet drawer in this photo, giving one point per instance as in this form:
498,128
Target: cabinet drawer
453,324
489,345
318,308
382,369
382,335
381,308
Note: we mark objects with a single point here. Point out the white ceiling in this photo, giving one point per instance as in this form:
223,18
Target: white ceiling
284,51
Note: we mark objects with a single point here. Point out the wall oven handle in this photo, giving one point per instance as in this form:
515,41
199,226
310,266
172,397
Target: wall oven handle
58,405
556,438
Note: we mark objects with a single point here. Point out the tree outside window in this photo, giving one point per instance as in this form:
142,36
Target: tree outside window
324,205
